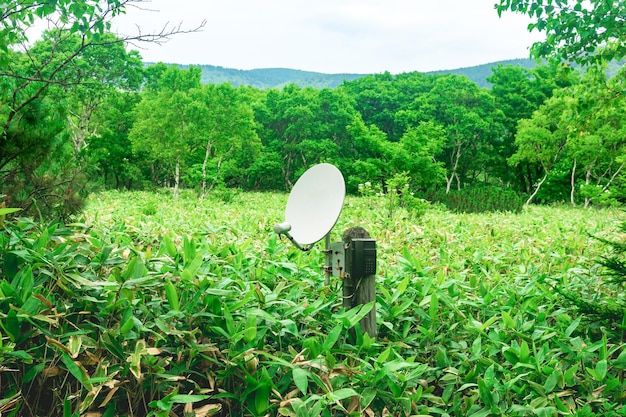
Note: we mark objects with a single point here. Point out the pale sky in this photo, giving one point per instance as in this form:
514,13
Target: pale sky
333,36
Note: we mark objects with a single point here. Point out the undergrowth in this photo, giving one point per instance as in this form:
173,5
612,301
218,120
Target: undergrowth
147,307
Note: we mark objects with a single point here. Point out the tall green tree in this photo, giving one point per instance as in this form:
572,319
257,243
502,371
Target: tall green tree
587,32
166,123
584,31
228,136
597,140
518,92
471,122
304,126
34,80
380,98
542,138
110,151
112,69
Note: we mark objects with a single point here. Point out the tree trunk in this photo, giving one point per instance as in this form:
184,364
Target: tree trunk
204,163
287,171
176,178
587,182
545,177
573,184
217,174
448,183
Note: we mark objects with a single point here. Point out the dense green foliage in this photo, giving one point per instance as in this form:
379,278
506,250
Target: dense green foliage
106,121
142,306
583,31
480,199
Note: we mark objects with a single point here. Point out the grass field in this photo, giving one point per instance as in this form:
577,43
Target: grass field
148,306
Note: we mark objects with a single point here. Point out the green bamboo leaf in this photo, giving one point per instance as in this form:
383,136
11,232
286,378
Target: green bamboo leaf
524,352
301,379
341,394
262,394
481,413
127,322
570,374
188,398
135,269
332,338
433,309
402,287
382,358
74,345
189,250
77,371
8,210
552,381
172,295
249,334
484,392
11,325
601,369
573,325
508,321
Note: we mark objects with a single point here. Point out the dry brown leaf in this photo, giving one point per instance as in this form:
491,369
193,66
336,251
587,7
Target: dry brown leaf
90,359
58,344
596,393
109,396
51,371
354,404
208,410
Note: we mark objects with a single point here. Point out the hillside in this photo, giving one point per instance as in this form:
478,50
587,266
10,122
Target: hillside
279,77
271,77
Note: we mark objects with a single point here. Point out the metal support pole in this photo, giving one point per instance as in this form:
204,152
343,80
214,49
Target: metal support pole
328,267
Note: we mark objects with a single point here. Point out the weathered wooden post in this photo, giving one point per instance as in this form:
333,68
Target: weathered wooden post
359,279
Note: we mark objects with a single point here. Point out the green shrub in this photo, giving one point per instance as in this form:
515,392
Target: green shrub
480,200
600,297
200,306
398,195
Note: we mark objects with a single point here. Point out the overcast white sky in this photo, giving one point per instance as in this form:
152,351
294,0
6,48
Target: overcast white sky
333,36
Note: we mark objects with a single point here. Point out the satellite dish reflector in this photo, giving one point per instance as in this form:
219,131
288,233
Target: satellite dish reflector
314,204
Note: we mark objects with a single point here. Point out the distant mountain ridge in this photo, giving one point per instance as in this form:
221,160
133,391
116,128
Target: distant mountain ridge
279,77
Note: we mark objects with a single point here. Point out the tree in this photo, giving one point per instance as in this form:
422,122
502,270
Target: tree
471,122
583,31
590,31
31,74
379,98
597,142
110,152
228,135
518,92
167,120
112,69
419,147
542,138
304,126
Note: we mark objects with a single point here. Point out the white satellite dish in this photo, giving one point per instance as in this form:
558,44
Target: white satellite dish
314,205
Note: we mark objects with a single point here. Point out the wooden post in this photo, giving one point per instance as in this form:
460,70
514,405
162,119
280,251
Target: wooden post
358,288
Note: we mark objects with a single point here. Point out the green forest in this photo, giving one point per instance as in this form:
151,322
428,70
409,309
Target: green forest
79,117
